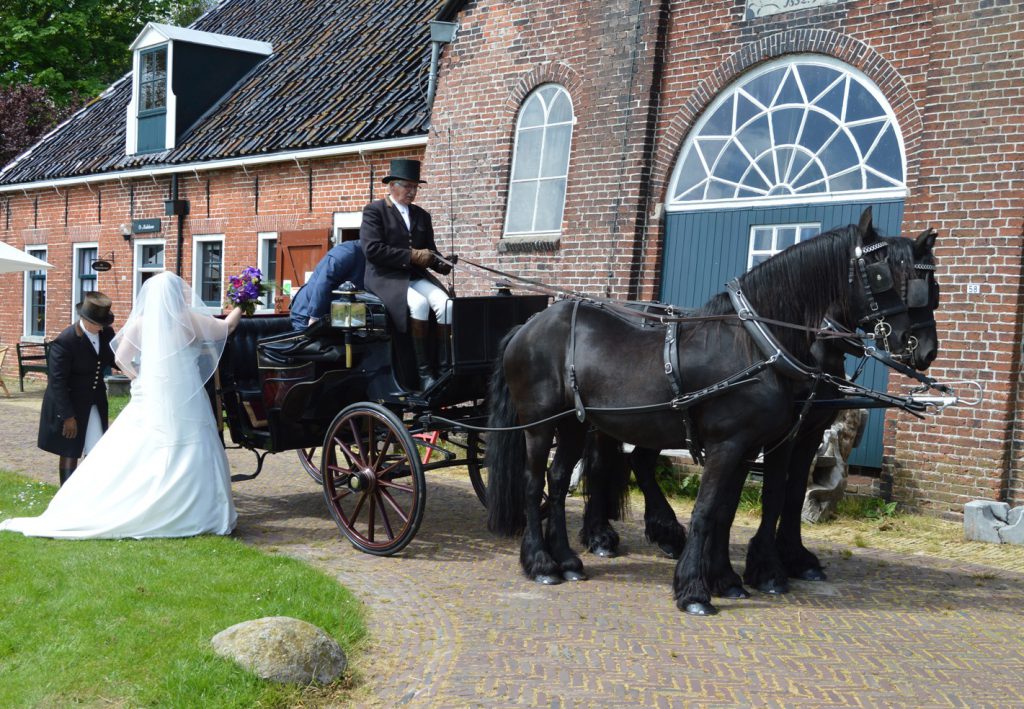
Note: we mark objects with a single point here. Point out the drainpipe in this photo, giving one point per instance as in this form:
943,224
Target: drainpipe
441,33
180,208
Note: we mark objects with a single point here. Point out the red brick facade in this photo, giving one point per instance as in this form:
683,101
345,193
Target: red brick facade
238,204
640,72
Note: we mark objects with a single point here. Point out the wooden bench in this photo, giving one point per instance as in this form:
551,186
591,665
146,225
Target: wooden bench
31,358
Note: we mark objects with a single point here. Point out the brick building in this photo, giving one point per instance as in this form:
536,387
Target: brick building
635,148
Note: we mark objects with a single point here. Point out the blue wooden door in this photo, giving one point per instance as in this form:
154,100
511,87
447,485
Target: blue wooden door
704,249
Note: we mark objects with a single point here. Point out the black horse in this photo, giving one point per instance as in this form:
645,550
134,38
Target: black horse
776,551
612,372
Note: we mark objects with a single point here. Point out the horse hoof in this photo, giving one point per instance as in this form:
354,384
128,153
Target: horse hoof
736,592
813,574
698,608
670,550
773,587
547,579
603,552
574,576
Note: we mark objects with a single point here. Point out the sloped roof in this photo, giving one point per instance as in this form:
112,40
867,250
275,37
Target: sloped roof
342,72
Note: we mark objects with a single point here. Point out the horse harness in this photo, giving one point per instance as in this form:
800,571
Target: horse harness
877,281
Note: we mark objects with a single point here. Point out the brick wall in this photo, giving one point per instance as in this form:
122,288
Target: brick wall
952,73
602,54
221,202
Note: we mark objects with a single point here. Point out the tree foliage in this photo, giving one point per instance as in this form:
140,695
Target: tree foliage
26,112
76,48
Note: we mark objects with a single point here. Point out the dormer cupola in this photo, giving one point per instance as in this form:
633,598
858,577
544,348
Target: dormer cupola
178,74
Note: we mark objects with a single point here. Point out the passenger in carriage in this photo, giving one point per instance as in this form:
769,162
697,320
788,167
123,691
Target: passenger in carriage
398,240
344,262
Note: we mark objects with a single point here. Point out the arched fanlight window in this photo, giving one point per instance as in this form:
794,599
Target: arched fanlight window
802,129
540,163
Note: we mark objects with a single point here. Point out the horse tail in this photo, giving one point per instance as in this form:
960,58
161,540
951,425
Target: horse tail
605,476
506,455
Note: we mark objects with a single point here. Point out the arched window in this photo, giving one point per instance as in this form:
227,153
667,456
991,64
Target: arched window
803,129
540,163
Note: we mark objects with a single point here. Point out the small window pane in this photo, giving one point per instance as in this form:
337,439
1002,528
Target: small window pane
786,237
533,114
522,199
762,238
561,109
528,154
550,200
860,104
556,151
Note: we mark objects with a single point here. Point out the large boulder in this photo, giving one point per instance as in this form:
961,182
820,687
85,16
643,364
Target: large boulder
282,649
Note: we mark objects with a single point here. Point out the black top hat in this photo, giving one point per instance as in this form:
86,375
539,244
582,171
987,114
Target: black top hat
402,169
95,307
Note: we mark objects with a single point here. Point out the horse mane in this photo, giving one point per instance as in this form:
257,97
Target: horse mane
798,285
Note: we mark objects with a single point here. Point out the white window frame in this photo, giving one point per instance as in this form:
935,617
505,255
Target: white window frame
196,265
138,269
262,238
804,230
76,281
26,300
701,154
535,96
345,220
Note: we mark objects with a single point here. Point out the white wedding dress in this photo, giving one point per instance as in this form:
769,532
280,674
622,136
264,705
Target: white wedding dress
160,469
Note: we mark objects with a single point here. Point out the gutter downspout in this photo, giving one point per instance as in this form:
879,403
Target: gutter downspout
441,33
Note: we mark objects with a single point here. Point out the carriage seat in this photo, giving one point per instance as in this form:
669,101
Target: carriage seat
239,370
298,347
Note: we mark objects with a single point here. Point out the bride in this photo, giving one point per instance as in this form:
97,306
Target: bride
160,469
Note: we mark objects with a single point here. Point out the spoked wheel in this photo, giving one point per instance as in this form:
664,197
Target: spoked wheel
476,464
373,479
310,460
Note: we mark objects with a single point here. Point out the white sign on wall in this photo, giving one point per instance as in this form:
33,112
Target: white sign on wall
763,8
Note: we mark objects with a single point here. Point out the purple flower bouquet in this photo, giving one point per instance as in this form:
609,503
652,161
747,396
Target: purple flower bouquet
245,289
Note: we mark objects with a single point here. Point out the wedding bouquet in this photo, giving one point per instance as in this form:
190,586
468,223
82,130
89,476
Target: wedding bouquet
245,289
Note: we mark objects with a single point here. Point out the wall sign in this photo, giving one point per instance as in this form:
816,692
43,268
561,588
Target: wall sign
763,8
101,265
145,226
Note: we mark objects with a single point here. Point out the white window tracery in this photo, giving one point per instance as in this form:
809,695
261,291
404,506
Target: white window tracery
801,129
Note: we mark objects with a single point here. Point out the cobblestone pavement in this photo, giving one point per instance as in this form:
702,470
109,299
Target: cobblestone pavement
455,624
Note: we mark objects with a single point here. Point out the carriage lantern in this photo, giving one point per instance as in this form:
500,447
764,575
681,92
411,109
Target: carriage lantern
346,311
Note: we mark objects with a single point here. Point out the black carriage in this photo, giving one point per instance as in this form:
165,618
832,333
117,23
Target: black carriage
341,393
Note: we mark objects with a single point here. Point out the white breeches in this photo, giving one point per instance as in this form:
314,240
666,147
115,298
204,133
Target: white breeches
424,296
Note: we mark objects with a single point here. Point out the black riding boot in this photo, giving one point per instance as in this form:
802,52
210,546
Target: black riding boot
419,329
444,349
65,467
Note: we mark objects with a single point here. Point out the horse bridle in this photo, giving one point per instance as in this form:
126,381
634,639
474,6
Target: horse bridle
878,284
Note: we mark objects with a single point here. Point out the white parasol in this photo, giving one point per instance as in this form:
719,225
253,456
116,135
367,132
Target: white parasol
12,259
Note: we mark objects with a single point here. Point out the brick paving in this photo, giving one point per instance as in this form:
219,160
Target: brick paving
455,624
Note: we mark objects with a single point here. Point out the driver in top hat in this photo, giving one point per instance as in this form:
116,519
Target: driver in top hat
74,410
398,241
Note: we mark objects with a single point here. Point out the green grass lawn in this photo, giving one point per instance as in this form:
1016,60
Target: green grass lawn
129,622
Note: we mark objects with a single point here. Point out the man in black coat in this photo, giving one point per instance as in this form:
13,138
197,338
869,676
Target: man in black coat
74,411
398,240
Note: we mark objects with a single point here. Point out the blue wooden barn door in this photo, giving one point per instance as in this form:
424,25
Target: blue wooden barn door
704,249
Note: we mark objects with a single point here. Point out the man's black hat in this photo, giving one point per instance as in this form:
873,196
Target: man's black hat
95,307
403,169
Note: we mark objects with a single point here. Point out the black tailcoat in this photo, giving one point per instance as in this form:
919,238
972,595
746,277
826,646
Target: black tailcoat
75,383
388,244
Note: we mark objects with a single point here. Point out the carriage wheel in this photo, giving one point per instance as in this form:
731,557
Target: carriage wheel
373,479
476,449
310,460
